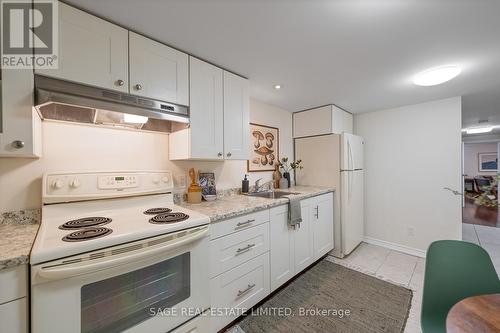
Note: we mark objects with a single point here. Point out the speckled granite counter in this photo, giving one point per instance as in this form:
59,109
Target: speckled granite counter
17,233
235,205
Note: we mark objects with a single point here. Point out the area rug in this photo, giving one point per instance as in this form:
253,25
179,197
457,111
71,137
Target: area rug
332,298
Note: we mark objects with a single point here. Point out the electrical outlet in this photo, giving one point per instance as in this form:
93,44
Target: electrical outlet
180,180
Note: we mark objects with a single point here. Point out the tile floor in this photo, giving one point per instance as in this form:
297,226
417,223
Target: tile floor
391,266
407,270
487,237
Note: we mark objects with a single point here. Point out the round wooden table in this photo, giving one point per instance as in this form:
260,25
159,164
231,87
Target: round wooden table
475,314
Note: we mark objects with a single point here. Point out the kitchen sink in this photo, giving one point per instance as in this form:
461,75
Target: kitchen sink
271,194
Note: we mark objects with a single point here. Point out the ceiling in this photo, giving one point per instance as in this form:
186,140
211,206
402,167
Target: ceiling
358,54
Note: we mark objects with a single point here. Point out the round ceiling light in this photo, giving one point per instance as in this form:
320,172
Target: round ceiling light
277,86
435,76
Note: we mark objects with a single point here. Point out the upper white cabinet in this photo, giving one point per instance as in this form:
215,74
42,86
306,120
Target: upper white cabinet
236,117
20,125
158,71
219,113
91,51
327,119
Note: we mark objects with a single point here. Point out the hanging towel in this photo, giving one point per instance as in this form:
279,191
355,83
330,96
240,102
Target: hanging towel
294,212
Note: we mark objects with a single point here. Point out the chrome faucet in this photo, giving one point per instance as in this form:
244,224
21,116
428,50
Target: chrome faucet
259,188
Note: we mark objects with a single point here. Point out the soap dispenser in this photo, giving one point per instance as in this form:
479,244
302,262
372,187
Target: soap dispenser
245,183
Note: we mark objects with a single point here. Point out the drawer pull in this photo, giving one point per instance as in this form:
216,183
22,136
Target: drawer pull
243,292
244,249
240,224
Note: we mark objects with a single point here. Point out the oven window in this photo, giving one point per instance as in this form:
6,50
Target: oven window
120,302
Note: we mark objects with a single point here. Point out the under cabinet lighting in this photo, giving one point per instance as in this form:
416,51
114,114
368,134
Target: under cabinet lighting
134,119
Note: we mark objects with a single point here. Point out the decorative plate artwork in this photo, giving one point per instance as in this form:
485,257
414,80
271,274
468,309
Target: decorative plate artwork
264,144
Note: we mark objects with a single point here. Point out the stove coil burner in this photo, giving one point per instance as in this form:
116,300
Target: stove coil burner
87,234
85,222
156,211
168,218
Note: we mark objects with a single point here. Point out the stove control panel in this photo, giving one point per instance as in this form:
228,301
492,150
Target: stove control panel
66,187
109,182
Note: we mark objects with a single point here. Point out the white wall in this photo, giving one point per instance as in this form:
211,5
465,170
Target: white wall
471,158
69,147
411,153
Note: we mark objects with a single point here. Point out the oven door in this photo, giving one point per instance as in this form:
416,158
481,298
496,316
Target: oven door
150,286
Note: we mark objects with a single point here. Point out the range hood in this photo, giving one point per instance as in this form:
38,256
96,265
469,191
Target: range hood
68,101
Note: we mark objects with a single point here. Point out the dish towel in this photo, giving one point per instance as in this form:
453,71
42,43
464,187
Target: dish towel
294,212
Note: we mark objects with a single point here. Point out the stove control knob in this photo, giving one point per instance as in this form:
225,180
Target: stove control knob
57,184
165,179
75,183
156,180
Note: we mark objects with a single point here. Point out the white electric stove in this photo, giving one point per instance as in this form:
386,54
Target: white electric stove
112,251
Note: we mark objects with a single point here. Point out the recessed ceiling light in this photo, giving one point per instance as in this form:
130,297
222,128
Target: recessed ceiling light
277,87
479,130
438,75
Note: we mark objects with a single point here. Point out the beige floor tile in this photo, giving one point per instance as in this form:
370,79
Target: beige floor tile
398,268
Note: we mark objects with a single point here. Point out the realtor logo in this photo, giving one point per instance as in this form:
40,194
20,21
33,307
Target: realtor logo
29,34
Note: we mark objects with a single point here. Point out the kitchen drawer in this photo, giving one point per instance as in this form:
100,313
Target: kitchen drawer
239,223
232,250
14,316
200,324
239,289
13,283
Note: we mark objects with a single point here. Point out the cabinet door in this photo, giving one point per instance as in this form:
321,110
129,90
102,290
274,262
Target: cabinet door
342,121
206,110
91,51
158,71
322,209
236,117
303,238
282,247
20,125
312,122
13,316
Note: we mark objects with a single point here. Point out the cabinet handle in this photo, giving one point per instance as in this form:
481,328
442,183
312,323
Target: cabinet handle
229,154
120,83
18,144
138,86
219,154
240,224
317,212
244,249
243,292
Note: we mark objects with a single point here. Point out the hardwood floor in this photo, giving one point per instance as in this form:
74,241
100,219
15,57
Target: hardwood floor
474,214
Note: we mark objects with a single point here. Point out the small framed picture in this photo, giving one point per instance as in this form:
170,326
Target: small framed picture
207,182
488,162
264,148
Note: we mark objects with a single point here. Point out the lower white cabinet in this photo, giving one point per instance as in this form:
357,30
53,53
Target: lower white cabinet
294,249
238,289
13,316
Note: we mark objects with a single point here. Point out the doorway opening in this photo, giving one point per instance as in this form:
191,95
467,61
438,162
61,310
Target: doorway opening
481,170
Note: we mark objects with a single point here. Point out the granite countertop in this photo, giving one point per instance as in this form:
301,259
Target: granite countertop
17,234
235,205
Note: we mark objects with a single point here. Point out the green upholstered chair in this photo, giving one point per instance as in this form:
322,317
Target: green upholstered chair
454,270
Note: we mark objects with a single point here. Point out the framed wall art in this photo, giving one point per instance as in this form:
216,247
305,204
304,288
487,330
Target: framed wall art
488,162
264,148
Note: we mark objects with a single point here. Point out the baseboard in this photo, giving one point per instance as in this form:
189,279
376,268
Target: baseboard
396,247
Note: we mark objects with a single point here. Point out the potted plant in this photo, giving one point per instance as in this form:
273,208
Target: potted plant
287,167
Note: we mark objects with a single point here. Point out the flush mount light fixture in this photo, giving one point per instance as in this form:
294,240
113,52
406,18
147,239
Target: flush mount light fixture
437,75
479,130
134,119
277,86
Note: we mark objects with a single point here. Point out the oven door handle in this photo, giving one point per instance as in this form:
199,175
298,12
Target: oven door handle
68,270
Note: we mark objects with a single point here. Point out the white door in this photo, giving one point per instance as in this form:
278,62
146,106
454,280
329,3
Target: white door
91,51
158,71
236,117
352,152
352,218
303,237
322,221
206,110
281,249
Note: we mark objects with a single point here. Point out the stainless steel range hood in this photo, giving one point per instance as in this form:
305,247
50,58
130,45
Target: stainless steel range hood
68,101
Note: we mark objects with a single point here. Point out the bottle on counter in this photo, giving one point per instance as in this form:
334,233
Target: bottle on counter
245,184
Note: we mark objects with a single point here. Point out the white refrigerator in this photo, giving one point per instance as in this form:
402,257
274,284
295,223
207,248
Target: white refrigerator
336,161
